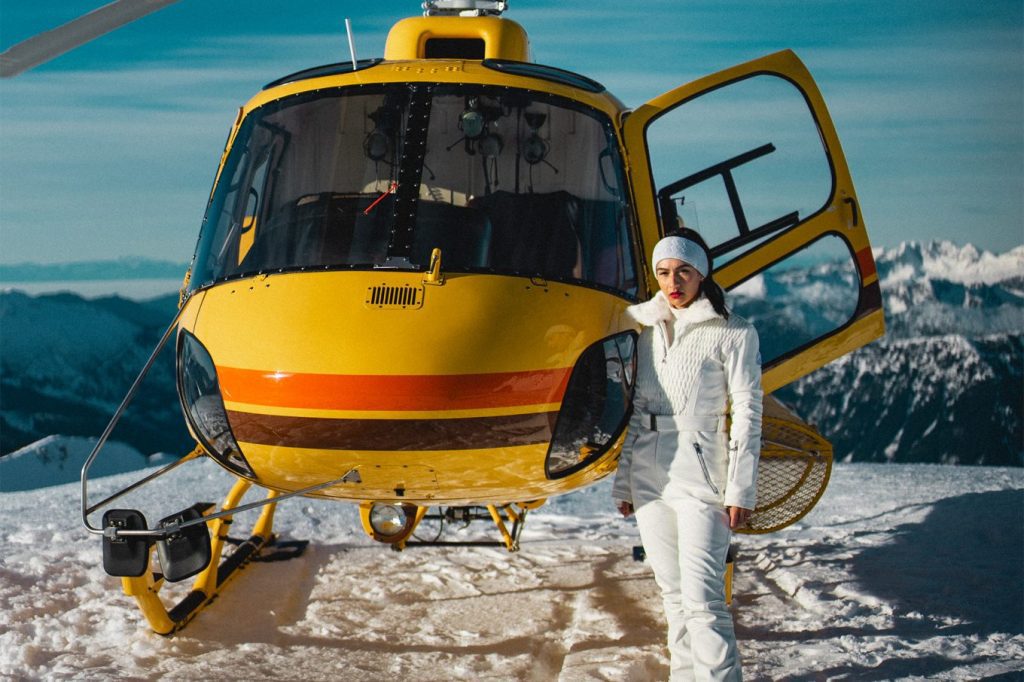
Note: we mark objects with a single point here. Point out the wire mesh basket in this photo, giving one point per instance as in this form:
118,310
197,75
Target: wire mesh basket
796,462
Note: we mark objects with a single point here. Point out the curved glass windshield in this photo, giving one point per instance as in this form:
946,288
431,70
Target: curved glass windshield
501,180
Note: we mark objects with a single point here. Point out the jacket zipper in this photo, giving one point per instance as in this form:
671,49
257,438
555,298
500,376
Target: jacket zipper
704,467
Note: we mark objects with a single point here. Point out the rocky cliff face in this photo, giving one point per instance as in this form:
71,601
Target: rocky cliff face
949,399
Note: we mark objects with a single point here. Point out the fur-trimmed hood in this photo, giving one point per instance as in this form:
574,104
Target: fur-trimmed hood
658,309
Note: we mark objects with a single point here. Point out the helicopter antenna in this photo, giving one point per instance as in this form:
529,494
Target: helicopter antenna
464,8
351,43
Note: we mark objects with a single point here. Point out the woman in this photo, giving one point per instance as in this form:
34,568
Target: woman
689,483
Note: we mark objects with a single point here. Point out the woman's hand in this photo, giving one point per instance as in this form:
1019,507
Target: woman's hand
738,517
625,508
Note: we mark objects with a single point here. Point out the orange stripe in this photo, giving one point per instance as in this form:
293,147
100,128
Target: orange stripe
391,392
866,261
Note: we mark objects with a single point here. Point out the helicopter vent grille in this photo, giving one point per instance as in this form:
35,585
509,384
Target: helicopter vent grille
400,297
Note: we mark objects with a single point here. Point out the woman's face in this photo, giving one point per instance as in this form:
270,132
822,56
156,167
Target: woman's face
679,281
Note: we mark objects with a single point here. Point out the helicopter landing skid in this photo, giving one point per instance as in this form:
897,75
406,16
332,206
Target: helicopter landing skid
211,580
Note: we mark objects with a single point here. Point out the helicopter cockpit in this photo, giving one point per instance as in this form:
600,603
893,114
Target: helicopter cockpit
502,180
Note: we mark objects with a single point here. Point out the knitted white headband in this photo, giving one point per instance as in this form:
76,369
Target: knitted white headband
682,249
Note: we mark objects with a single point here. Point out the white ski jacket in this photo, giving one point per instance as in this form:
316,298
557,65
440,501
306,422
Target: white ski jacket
677,441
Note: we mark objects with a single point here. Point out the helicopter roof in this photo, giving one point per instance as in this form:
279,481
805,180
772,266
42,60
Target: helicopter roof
509,67
499,44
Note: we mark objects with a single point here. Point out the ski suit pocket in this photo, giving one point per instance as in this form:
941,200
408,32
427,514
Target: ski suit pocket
704,468
694,465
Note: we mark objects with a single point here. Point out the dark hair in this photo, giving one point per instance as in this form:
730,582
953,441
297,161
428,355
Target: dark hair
709,287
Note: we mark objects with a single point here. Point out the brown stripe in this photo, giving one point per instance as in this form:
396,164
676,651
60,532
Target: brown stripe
870,299
393,434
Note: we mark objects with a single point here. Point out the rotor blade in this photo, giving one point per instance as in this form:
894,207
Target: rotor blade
43,47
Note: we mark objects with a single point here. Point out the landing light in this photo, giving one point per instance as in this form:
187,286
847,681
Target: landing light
390,523
388,519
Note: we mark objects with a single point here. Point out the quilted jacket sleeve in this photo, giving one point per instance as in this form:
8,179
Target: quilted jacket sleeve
743,375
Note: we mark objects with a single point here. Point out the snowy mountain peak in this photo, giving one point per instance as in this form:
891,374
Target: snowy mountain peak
944,260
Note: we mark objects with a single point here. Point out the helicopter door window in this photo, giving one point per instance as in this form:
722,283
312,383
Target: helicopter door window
250,215
800,299
740,163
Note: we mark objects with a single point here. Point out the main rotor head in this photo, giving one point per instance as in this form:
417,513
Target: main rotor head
464,8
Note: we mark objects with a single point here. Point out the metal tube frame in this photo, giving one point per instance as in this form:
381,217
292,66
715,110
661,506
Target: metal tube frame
176,527
86,510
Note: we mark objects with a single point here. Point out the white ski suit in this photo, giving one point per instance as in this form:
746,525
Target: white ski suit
680,469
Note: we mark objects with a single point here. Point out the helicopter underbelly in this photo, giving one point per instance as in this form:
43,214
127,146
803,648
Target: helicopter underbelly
428,393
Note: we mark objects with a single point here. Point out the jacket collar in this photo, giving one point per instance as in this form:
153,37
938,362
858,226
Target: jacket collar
657,309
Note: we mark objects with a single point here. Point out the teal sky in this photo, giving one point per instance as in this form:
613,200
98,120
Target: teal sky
110,151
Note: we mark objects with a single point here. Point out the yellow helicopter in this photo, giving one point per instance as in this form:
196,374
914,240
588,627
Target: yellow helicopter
409,287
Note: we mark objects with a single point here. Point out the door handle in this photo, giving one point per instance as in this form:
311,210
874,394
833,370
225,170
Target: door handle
853,207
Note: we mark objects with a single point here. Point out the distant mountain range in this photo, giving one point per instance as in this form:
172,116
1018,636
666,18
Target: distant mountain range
66,363
946,384
122,268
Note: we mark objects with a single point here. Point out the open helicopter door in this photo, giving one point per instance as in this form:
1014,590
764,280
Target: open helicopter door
749,158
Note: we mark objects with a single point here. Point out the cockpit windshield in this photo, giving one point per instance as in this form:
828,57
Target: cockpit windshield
501,180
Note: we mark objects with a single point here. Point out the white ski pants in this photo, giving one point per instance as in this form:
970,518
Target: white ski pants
686,541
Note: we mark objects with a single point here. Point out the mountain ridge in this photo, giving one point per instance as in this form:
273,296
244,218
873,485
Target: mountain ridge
964,264
126,268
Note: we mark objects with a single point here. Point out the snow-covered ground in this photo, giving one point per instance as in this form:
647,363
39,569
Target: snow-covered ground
902,572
